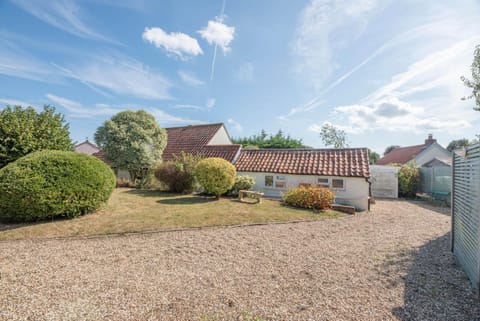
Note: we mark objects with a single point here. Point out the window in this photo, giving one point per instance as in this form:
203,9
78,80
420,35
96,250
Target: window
280,182
323,182
338,183
268,180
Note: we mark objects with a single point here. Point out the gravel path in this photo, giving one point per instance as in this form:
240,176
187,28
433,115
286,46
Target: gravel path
391,264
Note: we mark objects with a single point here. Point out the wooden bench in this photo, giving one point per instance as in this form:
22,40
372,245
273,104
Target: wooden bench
250,194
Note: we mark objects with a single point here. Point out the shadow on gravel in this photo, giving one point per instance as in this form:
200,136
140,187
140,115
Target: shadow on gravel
435,206
436,288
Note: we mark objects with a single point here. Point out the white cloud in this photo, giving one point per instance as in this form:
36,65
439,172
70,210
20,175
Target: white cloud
177,43
245,72
309,106
15,102
325,27
210,103
164,118
64,15
190,79
235,125
120,75
77,110
218,33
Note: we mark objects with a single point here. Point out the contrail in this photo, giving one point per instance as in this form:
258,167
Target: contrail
212,70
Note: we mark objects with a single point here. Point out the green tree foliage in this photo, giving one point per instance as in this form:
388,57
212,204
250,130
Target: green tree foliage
215,175
178,174
458,143
132,141
48,184
23,130
389,149
332,136
408,179
317,198
474,83
263,140
373,157
243,182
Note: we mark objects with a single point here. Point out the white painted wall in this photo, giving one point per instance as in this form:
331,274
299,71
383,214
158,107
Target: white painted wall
220,138
355,192
384,181
434,150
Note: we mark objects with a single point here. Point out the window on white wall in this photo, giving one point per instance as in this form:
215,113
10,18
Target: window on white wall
280,182
269,180
338,183
323,182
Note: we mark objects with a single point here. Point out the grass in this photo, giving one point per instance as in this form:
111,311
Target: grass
130,210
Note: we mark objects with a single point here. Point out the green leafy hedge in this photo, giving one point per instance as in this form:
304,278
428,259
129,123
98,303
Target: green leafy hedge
242,183
215,175
318,198
49,184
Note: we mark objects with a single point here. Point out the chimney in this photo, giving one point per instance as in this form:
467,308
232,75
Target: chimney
430,140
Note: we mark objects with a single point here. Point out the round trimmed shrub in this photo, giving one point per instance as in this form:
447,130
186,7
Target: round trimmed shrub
318,198
48,184
242,183
215,175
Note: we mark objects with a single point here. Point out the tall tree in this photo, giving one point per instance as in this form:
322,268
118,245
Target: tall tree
474,83
263,140
24,130
389,149
332,136
132,141
458,143
373,157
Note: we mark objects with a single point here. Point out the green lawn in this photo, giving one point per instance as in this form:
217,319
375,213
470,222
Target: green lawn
131,210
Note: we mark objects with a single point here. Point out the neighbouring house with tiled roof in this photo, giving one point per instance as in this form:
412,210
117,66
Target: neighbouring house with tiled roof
87,148
420,154
209,140
344,171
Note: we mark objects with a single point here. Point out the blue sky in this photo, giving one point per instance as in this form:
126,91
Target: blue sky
387,72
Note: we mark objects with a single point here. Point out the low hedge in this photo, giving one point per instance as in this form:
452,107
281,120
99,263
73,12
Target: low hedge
50,184
318,198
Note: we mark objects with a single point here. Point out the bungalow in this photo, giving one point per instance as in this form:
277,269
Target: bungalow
209,140
420,154
344,171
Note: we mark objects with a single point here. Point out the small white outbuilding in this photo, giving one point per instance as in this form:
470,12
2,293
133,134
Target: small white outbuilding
345,171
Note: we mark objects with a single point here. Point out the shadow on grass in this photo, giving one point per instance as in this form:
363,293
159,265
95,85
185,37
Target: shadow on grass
436,288
150,193
187,200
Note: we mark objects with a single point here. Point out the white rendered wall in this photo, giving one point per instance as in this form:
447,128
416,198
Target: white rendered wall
220,138
355,192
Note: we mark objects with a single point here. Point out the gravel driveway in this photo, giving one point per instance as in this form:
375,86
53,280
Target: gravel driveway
391,264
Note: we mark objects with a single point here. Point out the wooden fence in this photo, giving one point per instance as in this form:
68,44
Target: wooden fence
466,211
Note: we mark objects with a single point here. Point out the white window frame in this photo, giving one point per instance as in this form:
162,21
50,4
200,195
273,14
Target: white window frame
328,182
344,184
276,179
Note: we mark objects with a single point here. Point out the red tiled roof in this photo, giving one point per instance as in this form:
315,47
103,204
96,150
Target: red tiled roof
401,155
227,152
189,139
349,162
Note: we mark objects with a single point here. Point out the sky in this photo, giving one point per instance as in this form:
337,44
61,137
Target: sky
386,72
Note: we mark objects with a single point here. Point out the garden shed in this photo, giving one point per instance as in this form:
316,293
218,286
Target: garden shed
466,211
384,181
344,171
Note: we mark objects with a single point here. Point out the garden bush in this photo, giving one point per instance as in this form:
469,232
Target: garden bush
318,198
50,184
242,183
408,180
215,175
178,175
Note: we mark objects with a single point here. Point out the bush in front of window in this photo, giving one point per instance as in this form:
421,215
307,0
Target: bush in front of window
215,175
242,183
312,197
